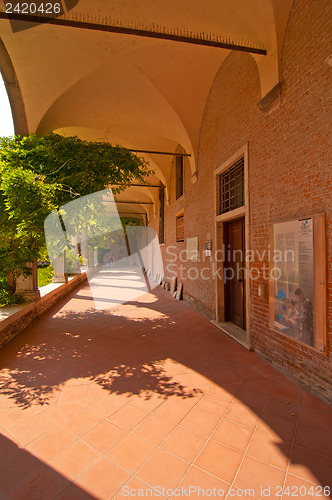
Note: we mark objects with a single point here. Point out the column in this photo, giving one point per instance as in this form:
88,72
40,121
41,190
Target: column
59,265
28,287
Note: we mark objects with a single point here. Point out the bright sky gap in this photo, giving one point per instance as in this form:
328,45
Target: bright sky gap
6,119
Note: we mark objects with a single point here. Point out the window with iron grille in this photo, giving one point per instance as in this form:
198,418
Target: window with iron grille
180,228
231,188
179,176
161,215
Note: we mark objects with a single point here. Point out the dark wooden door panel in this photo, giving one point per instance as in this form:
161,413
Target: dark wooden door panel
235,272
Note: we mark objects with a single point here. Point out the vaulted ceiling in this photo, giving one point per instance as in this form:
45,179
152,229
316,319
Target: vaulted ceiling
143,92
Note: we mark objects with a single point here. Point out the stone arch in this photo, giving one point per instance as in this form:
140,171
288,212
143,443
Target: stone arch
315,29
138,96
14,91
233,96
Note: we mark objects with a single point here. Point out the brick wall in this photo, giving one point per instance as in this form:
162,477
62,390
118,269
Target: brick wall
289,173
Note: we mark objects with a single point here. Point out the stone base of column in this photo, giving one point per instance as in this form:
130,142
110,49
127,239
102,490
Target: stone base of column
28,295
28,287
59,279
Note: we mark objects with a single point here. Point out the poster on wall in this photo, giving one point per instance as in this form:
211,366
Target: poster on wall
297,280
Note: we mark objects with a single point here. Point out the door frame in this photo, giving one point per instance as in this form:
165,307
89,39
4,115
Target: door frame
228,216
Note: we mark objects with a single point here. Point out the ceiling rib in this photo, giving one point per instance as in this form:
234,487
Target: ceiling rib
205,39
139,185
135,202
158,152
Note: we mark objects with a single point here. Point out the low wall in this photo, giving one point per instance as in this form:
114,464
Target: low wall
12,325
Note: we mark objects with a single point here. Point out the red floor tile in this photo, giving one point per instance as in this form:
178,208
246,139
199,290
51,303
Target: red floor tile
311,466
51,444
254,399
233,435
4,433
258,384
32,428
135,488
214,404
103,480
114,385
278,426
257,475
11,417
83,422
287,392
270,450
227,391
175,408
154,429
42,484
198,482
201,421
314,431
148,402
75,460
283,408
15,465
295,486
242,414
219,460
74,393
163,469
60,412
131,452
106,405
184,444
313,401
74,492
128,417
104,436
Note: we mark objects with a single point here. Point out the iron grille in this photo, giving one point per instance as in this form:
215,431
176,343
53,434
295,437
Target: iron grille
231,188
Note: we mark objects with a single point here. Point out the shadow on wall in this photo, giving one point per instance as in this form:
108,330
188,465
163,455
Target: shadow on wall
161,347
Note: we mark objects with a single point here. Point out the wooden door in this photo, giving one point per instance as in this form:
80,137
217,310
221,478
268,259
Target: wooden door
234,272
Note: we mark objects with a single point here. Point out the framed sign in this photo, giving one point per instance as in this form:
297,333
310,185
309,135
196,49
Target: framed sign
192,248
297,283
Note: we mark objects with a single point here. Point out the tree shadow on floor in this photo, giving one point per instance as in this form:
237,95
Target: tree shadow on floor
159,347
121,355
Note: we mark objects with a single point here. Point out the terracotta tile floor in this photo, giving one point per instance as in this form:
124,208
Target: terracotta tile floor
151,394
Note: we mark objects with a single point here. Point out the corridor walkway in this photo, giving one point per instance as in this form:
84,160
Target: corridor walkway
151,394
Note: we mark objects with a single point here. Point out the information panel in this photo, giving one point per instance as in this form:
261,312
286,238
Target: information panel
297,280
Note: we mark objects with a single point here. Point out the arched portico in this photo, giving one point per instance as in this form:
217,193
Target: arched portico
142,92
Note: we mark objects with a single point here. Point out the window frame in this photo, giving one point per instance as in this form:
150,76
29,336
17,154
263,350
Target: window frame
233,198
179,216
162,215
179,176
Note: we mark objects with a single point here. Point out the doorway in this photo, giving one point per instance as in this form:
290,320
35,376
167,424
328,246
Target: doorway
234,273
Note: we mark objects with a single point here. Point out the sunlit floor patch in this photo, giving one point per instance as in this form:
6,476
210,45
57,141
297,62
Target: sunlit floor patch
113,286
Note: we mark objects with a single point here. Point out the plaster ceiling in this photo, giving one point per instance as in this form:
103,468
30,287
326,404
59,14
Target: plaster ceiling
142,93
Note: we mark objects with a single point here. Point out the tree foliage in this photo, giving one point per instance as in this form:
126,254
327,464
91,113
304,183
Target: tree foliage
79,167
38,175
